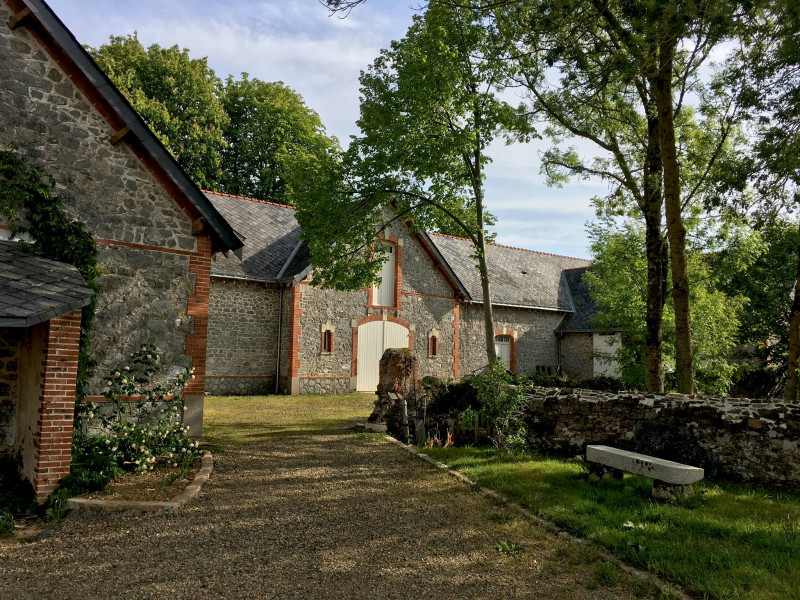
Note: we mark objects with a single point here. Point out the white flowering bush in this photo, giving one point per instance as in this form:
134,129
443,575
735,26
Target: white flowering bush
140,424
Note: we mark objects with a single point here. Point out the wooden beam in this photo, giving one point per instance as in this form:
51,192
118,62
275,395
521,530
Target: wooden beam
198,226
18,19
117,137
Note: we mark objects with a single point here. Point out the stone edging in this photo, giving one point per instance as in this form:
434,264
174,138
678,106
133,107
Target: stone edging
191,490
497,497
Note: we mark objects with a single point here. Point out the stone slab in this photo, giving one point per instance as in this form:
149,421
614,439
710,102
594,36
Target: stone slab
640,464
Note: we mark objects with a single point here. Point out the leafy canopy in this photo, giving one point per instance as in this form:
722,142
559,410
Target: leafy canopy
176,95
429,110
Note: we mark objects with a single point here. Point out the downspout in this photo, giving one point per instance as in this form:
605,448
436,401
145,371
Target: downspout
280,333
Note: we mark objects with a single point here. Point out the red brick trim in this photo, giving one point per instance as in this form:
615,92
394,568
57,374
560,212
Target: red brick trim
513,365
456,336
420,295
197,308
240,376
53,437
397,320
353,363
148,247
294,333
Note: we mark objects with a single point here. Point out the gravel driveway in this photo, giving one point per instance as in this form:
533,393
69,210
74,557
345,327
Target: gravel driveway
313,516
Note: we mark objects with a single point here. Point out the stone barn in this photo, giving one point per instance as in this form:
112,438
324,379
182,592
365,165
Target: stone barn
271,330
156,232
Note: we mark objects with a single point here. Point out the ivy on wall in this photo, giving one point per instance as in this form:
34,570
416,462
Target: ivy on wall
29,205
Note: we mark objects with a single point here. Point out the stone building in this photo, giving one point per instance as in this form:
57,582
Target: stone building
156,232
270,330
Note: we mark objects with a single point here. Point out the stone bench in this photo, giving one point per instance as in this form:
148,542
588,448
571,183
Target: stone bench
670,479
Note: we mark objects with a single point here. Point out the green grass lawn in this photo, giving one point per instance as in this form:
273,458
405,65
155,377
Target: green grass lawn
726,542
242,419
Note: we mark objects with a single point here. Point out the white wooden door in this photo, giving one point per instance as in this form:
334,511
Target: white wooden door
373,339
502,347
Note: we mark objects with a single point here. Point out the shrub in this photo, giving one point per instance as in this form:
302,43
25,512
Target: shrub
134,434
602,383
16,493
499,401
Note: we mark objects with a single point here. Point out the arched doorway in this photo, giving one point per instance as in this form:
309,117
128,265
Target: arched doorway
373,339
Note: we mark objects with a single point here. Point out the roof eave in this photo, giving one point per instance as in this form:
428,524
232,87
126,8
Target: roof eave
222,233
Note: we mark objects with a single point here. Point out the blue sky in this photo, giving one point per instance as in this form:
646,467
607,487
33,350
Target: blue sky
320,56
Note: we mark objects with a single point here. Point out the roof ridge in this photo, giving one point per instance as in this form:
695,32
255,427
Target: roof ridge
589,266
247,198
455,237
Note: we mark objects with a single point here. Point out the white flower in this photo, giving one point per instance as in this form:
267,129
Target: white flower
116,374
108,442
124,435
124,381
136,461
133,446
109,382
91,415
174,464
149,356
114,449
144,348
127,368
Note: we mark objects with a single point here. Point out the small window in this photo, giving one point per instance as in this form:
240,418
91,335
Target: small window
433,346
327,341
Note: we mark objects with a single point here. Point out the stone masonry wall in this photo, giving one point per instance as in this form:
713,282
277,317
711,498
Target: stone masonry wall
576,355
242,338
9,364
535,338
46,118
732,439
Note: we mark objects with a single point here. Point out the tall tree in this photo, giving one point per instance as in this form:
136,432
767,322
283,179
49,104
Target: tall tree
592,71
428,113
268,123
176,95
770,63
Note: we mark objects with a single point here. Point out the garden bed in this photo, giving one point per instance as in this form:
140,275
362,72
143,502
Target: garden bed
160,484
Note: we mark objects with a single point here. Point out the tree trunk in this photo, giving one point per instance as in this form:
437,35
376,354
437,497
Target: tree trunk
488,318
790,392
656,256
676,232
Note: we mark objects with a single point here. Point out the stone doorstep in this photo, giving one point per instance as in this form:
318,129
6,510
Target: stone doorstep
191,490
502,500
665,471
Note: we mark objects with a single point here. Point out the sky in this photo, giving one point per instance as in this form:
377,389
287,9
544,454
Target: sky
320,56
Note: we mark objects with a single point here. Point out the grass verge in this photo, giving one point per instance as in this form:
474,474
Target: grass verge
728,542
243,419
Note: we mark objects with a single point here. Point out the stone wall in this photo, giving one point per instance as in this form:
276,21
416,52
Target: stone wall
144,288
576,355
9,365
242,338
732,439
533,330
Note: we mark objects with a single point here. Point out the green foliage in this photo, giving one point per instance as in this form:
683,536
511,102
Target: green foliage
428,112
29,205
269,129
499,401
618,285
16,494
134,434
176,96
510,548
735,542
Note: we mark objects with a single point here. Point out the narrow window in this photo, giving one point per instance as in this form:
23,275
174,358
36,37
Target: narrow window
327,341
433,346
383,292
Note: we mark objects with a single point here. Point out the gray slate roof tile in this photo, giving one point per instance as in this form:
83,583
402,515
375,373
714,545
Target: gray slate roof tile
271,233
585,306
518,277
34,288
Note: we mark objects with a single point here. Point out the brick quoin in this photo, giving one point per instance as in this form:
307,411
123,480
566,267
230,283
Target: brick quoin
456,329
197,307
53,437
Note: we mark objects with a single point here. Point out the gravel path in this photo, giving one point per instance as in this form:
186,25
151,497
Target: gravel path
318,516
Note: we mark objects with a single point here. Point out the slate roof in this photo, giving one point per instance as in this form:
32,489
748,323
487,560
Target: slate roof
271,236
34,288
56,34
518,277
585,306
